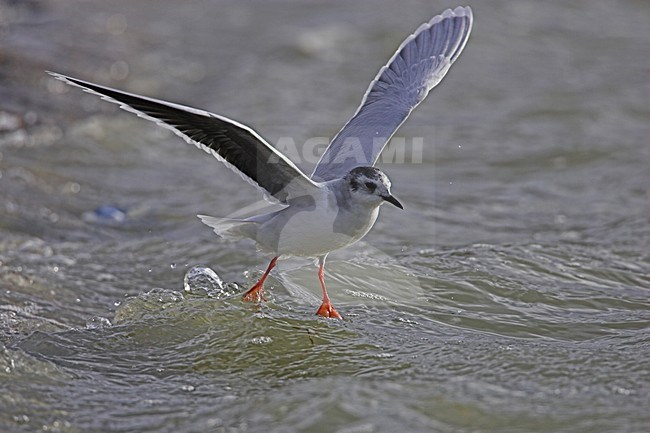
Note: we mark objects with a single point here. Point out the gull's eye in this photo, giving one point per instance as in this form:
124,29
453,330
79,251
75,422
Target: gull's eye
371,186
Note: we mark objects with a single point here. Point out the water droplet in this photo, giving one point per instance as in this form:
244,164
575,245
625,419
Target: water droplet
71,188
623,391
116,24
97,322
261,340
200,280
21,419
119,70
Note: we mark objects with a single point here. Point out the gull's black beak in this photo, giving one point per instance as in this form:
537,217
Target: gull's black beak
392,200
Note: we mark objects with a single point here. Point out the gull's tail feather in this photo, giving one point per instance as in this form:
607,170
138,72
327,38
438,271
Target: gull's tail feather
228,228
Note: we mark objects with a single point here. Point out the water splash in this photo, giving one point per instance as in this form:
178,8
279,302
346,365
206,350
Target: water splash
202,281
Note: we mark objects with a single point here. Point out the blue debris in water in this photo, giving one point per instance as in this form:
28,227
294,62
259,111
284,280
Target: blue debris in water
107,214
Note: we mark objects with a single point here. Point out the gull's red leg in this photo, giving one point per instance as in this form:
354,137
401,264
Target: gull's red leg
326,309
255,292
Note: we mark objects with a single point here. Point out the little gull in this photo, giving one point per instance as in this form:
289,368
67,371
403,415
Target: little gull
339,203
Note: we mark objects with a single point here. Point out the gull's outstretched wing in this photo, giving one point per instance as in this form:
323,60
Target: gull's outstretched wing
419,64
232,143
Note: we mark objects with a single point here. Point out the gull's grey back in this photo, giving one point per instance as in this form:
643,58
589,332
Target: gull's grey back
419,64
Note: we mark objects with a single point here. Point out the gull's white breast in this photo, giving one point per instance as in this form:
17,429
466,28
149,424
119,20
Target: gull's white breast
315,226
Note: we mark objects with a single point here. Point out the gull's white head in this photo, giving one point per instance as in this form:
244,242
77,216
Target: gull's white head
370,185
